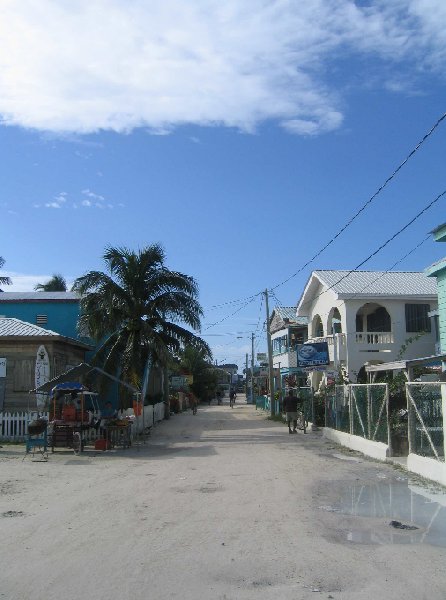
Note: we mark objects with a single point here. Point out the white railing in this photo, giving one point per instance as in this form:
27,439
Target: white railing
329,339
374,337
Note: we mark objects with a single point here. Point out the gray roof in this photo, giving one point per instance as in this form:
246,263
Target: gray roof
38,296
12,326
379,283
289,313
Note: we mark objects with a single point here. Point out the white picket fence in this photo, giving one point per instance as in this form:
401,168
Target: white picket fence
14,426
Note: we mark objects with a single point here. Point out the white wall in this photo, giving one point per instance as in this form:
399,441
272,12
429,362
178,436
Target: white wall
357,355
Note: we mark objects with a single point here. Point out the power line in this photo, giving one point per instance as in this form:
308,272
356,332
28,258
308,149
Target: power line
383,245
249,299
369,201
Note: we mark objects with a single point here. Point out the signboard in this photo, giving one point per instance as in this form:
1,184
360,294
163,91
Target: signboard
261,357
313,354
2,367
177,382
234,378
41,374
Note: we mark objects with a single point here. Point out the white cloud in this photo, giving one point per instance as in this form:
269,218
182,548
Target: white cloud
90,65
91,194
86,203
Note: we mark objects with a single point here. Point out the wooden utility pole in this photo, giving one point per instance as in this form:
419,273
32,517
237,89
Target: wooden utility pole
270,358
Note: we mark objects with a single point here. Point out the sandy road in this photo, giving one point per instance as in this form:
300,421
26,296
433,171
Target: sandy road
223,505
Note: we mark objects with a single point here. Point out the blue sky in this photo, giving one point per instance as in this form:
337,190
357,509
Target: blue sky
242,136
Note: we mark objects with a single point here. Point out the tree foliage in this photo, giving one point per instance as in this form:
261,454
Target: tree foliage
57,283
138,308
4,280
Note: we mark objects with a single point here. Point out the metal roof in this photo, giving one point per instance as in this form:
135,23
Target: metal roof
38,296
379,283
289,313
12,326
78,372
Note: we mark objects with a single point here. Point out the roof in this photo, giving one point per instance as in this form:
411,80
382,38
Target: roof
12,326
78,372
426,361
39,297
287,313
379,283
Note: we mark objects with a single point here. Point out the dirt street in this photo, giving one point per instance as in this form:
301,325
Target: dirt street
225,505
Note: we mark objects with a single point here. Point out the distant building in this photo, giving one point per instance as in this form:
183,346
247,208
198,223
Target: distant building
368,317
287,331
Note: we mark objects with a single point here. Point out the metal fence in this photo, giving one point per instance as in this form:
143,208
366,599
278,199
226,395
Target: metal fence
369,411
425,419
337,409
359,409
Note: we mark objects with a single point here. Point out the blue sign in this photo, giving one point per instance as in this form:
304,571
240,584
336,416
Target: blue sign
313,354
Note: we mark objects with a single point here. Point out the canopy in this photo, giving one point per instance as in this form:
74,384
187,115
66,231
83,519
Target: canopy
81,370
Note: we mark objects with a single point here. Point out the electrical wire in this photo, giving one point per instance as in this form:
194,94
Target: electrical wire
369,201
383,245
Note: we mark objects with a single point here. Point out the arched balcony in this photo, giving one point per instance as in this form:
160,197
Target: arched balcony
373,325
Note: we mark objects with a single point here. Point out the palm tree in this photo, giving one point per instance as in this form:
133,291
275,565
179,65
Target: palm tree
195,361
137,310
57,283
4,280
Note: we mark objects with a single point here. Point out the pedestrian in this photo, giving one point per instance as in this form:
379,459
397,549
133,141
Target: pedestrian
290,408
218,397
193,403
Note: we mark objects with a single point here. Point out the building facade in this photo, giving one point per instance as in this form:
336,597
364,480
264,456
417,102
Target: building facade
368,317
20,345
438,270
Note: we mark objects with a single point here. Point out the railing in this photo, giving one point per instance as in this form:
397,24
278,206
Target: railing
374,337
425,423
330,339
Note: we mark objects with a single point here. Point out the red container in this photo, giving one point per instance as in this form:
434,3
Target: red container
68,413
102,445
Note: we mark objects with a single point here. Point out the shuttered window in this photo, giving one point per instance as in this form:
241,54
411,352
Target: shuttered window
417,319
41,319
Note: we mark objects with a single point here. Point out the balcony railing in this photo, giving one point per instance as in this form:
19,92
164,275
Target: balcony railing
374,338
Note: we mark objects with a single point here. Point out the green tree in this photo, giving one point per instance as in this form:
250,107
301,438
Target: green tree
137,310
4,280
57,283
194,361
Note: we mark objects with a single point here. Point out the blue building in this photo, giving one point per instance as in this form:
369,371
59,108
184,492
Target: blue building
57,311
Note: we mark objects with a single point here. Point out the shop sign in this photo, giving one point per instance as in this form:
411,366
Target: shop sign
313,355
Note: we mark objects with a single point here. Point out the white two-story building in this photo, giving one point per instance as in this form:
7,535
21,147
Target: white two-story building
369,317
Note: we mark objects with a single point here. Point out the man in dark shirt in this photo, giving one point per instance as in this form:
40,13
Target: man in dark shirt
290,403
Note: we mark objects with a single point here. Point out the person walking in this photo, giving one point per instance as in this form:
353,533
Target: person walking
290,408
232,398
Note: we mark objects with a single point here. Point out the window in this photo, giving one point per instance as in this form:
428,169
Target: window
417,319
379,320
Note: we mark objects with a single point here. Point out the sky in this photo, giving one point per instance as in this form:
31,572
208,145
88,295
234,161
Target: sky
242,136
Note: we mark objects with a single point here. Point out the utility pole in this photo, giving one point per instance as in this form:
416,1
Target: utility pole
270,358
246,376
252,368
